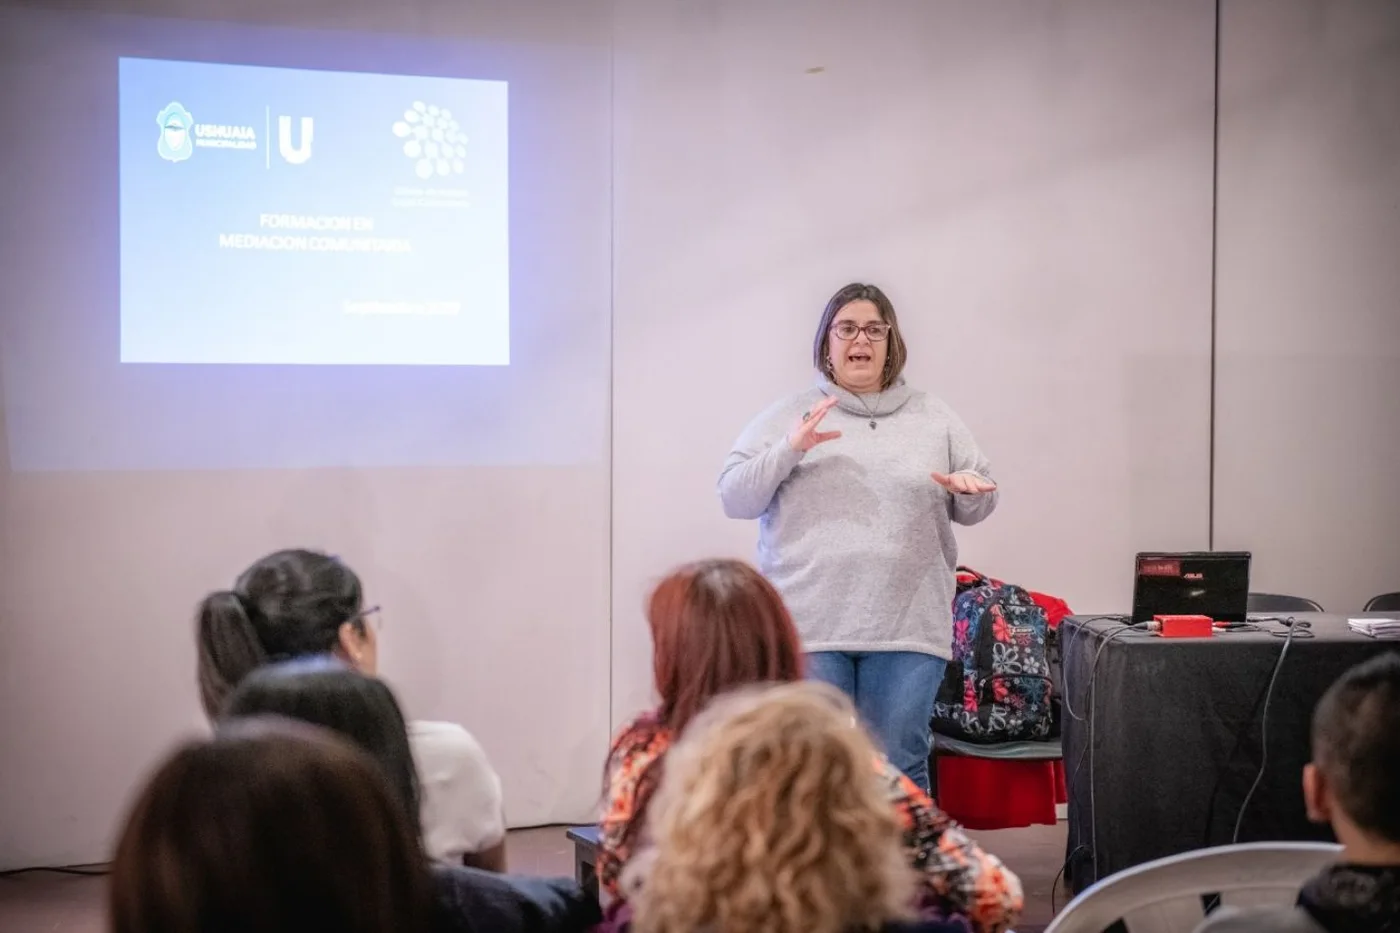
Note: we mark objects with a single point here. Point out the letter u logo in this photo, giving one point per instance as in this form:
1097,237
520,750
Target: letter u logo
298,155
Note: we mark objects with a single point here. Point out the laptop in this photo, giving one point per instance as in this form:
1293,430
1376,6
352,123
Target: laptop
1198,583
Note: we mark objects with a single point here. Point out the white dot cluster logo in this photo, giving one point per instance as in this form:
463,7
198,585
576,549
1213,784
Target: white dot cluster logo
433,140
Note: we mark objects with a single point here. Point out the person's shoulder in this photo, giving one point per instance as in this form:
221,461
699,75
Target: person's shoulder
473,899
898,784
925,402
931,408
447,735
445,743
643,736
916,810
1260,920
462,798
647,722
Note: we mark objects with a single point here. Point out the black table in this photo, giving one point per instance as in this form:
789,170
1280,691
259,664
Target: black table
1162,737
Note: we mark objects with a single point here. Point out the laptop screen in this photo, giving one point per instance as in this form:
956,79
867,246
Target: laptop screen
1207,583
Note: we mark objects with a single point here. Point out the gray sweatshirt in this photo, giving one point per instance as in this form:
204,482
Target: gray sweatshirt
854,533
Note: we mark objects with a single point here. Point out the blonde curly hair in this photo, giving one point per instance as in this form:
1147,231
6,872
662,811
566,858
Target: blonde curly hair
770,818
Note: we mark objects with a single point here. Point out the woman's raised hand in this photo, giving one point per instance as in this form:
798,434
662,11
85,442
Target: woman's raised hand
805,435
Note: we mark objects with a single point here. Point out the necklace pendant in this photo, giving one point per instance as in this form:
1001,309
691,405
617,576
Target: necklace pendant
872,424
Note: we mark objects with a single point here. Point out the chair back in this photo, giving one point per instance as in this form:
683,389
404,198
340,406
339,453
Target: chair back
1386,602
1165,896
1277,602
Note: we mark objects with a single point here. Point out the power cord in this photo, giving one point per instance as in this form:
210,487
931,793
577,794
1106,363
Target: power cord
1301,628
1060,874
1088,752
1294,626
1093,681
1065,651
1290,628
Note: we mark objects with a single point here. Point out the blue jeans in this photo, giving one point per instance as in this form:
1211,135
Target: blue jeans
893,692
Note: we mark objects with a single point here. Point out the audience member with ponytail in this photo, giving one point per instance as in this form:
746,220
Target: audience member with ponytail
297,604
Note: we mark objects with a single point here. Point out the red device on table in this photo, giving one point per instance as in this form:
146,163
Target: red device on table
1170,626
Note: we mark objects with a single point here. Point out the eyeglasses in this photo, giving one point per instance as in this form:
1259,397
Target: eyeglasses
848,330
369,616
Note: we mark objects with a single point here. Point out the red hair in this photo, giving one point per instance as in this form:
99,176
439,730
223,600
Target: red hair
717,625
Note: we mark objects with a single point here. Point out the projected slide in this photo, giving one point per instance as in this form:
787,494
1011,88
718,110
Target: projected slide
254,247
285,216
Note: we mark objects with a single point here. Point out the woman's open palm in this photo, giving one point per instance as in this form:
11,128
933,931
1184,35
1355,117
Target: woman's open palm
964,484
806,435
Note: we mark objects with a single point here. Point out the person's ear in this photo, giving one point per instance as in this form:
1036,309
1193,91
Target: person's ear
1316,794
351,643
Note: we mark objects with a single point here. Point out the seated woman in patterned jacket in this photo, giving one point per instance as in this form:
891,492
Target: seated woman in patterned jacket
719,625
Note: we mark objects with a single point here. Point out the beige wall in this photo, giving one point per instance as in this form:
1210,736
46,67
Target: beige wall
1308,395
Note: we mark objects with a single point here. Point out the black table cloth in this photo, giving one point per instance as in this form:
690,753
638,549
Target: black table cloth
1176,728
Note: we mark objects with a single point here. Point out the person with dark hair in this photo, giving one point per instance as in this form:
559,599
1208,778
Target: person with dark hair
297,604
325,693
1353,784
269,828
718,626
363,711
290,604
857,483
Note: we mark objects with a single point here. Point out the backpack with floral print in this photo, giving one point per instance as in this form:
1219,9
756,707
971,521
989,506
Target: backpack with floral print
997,687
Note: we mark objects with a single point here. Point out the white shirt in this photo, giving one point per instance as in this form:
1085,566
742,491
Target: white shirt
461,808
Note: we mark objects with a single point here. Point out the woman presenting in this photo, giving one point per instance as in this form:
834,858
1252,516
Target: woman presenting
857,482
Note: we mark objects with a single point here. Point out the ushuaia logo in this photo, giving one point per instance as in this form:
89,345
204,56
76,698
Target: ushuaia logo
176,127
433,140
180,136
